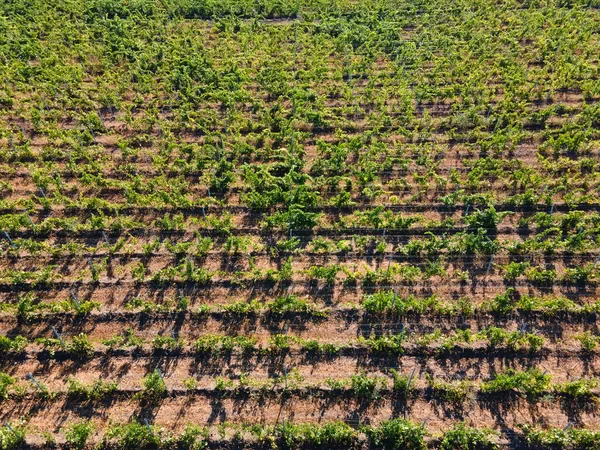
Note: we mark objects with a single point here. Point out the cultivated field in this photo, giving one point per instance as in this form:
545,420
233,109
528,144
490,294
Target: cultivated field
305,224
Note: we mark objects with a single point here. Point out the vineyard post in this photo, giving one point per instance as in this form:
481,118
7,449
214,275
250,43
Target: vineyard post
489,266
36,382
203,212
60,339
42,192
467,209
7,425
92,267
105,237
148,426
569,425
552,209
10,241
597,259
74,297
30,221
161,377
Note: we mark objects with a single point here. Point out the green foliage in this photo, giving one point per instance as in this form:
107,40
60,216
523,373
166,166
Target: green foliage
387,345
286,272
80,346
334,435
78,434
579,389
531,383
133,436
123,116
166,342
292,304
558,438
154,387
325,273
513,270
89,392
317,348
219,344
454,392
541,276
17,344
6,381
397,434
463,437
515,340
402,385
366,387
194,438
281,342
127,339
295,218
12,440
242,308
388,303
487,219
589,341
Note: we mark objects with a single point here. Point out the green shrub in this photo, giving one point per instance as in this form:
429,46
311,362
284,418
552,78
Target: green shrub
388,345
12,439
193,438
5,382
453,392
94,391
336,435
558,438
531,382
402,385
578,389
216,344
462,437
589,341
154,387
515,340
317,348
292,304
16,344
78,434
81,347
397,434
366,387
134,436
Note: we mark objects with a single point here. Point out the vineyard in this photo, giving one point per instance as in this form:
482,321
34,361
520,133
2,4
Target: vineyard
317,224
